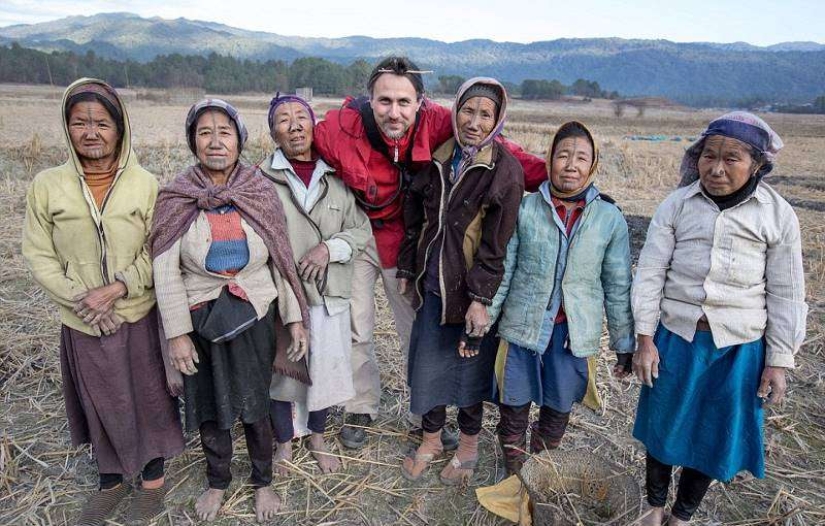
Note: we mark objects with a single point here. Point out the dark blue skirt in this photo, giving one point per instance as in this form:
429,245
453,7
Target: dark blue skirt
436,374
702,412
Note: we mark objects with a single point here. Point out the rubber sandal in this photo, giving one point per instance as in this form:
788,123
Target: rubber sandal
456,472
102,505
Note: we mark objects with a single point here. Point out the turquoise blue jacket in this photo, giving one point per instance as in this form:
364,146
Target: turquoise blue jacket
595,282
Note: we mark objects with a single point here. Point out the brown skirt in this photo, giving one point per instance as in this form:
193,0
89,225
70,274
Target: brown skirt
116,399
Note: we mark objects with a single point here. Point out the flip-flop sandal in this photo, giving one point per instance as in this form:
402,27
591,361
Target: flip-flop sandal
102,505
147,503
420,462
457,471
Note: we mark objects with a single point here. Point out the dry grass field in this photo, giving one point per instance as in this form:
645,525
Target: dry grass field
43,480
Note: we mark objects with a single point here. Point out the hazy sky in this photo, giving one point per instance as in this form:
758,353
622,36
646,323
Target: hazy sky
760,22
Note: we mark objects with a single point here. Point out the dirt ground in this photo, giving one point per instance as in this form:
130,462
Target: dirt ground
43,480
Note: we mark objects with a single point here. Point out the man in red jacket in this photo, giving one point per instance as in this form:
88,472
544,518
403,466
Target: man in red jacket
375,144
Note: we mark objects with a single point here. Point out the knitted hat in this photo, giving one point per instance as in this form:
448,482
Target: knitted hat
481,90
283,99
199,108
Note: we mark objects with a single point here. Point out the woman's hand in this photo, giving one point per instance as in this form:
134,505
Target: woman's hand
93,304
476,321
646,360
183,355
469,346
773,385
314,262
623,366
299,345
109,323
403,286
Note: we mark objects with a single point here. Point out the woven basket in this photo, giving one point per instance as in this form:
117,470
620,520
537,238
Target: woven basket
572,487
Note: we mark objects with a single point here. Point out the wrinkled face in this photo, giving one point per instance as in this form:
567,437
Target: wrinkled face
571,164
475,120
93,131
292,130
394,104
725,165
216,141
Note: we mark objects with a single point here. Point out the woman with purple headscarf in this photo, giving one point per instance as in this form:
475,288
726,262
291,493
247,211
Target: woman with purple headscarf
327,231
719,309
459,215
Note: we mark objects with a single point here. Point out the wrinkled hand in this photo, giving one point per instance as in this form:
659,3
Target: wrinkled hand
403,286
646,360
183,355
624,365
93,304
773,385
311,267
476,321
298,346
469,346
109,323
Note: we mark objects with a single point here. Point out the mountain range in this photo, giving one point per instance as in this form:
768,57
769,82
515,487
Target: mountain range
696,73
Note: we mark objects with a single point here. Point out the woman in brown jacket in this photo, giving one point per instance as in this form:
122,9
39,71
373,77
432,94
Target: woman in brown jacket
459,216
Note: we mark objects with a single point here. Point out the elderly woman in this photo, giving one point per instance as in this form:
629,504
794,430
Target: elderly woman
87,222
718,302
327,230
568,264
459,215
226,281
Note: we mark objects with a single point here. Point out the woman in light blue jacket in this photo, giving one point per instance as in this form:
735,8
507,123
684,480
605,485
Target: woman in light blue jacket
567,264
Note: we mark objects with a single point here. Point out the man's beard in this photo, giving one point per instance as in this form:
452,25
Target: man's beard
392,134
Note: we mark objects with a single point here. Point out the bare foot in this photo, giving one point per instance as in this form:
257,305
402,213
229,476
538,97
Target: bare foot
283,453
652,516
674,521
267,504
209,503
326,462
152,484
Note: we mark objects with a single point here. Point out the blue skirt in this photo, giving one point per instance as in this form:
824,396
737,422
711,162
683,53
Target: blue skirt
436,374
555,379
702,412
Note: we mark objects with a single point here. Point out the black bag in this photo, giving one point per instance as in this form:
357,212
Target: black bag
224,318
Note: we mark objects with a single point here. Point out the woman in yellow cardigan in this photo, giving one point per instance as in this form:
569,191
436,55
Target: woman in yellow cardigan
84,240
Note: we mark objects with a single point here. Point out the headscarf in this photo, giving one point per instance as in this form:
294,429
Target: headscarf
283,99
488,84
739,125
96,90
199,108
571,129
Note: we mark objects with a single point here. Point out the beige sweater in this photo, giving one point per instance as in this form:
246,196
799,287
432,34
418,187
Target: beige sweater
181,279
741,268
325,212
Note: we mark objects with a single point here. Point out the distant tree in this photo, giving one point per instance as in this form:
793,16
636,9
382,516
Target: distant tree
585,88
819,104
321,75
513,89
358,74
542,89
449,84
